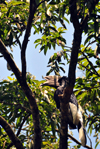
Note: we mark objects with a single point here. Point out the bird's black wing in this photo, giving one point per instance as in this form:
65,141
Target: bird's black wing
73,99
56,97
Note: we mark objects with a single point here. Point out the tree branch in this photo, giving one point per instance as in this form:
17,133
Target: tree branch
10,61
4,144
76,141
33,8
77,38
71,137
10,133
84,21
76,43
65,97
73,11
91,64
64,105
85,67
29,94
72,67
19,130
25,118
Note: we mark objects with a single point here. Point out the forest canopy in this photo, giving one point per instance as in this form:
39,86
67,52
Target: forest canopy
28,114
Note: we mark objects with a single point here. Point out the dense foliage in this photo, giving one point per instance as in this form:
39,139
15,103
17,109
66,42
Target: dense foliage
14,107
14,102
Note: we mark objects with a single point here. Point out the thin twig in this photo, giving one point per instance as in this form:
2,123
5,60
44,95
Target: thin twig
85,67
19,130
90,43
90,64
4,144
75,140
89,139
78,141
17,40
25,118
41,3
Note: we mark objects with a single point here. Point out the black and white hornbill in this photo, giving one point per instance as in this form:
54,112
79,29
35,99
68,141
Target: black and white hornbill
75,119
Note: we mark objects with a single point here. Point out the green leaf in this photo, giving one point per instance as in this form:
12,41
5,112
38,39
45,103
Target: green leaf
62,69
88,38
14,3
52,58
37,41
53,127
96,145
66,19
41,48
45,49
53,44
18,122
36,29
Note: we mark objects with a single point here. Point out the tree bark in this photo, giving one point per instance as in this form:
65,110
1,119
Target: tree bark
10,133
29,94
71,77
33,8
64,105
78,28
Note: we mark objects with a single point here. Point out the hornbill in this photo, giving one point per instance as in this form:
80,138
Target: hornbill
75,119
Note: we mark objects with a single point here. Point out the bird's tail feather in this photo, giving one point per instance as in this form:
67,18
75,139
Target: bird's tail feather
82,136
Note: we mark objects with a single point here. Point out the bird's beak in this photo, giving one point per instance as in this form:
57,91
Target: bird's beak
51,81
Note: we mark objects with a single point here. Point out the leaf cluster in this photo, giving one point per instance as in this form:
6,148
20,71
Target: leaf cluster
14,107
87,89
45,22
13,16
55,62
